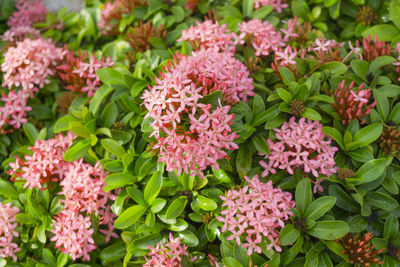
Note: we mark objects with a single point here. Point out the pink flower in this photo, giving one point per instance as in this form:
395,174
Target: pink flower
8,231
290,32
19,33
255,212
277,4
45,164
82,187
29,64
202,138
79,72
262,36
13,111
73,234
352,104
168,255
286,57
210,35
29,12
301,145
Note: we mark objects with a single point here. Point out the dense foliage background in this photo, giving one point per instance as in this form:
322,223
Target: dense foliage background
200,133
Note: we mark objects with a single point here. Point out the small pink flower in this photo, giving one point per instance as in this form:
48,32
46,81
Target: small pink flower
277,4
301,145
254,212
8,231
167,255
29,12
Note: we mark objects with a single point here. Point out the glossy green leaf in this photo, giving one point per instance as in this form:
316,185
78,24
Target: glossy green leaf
176,207
329,230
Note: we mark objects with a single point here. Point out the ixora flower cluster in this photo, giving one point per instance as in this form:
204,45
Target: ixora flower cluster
301,145
192,135
8,231
79,72
253,212
167,255
82,188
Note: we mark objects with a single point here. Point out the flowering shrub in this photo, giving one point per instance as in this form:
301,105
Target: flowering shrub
200,133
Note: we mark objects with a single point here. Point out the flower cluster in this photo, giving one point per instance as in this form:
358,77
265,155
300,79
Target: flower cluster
29,64
262,35
352,105
45,164
190,135
82,187
210,35
277,4
255,211
113,12
301,145
29,12
372,50
359,249
73,234
7,231
168,255
79,73
325,50
19,33
13,112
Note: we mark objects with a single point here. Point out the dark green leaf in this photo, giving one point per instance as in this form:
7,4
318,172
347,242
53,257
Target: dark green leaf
329,230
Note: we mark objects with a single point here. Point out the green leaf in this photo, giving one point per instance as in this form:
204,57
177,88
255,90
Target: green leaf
176,207
111,76
360,67
243,161
114,252
382,104
153,187
113,147
30,132
394,12
109,115
129,216
370,171
79,129
367,135
303,195
212,98
329,230
391,227
117,180
178,12
7,190
286,74
311,114
380,62
63,123
231,262
381,201
77,150
248,7
262,12
334,133
266,115
204,203
137,196
98,97
319,207
335,68
385,32
289,234
260,144
284,95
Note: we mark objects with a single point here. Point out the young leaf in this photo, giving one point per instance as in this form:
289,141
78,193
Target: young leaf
77,151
